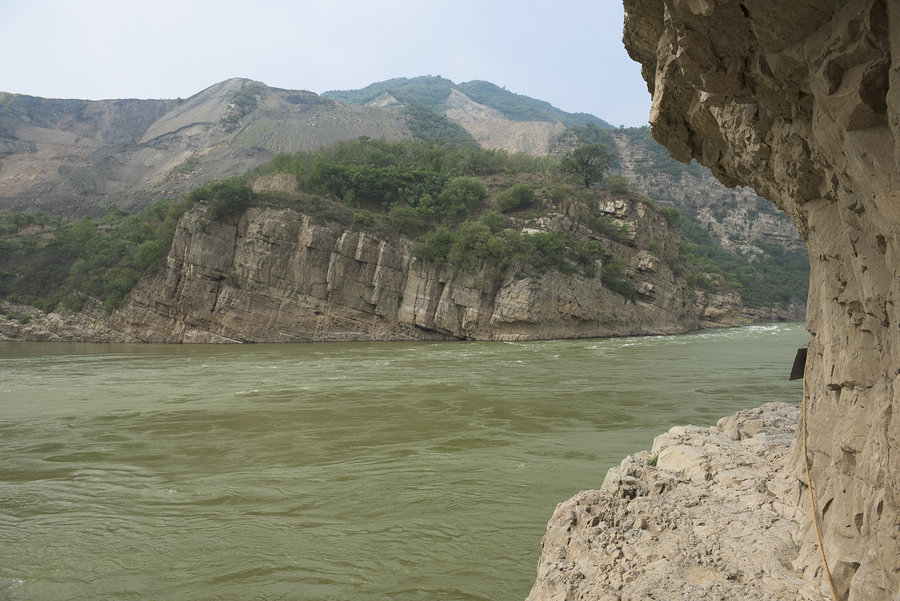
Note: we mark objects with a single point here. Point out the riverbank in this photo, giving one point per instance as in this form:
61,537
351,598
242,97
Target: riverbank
707,513
25,323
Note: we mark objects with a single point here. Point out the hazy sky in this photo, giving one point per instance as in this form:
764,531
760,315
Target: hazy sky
567,52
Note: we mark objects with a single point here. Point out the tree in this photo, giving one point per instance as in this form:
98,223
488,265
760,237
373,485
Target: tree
459,198
588,162
227,197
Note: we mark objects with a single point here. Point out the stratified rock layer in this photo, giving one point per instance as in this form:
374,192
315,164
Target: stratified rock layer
801,101
275,275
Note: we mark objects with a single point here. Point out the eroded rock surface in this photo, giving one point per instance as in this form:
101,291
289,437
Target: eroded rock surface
801,101
699,516
26,323
275,275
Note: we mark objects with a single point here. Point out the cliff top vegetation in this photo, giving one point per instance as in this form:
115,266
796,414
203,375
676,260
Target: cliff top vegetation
458,203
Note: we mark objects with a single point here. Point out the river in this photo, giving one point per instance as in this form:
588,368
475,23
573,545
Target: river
351,472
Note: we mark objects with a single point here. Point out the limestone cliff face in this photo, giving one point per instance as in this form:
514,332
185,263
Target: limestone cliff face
274,275
801,101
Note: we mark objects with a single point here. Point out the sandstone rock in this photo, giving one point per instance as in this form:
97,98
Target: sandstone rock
718,310
778,312
706,522
801,101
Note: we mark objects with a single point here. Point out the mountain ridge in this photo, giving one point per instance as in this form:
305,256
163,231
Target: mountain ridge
433,91
77,157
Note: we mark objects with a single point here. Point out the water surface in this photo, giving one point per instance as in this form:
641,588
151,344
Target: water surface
348,472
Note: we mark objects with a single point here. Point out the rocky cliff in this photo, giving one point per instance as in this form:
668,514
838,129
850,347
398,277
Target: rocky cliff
275,275
801,101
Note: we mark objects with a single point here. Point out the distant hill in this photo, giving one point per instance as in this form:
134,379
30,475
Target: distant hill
737,219
434,92
77,157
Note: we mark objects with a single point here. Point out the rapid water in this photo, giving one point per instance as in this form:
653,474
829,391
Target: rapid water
351,472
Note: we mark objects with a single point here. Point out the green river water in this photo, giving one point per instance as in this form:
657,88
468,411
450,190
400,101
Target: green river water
348,472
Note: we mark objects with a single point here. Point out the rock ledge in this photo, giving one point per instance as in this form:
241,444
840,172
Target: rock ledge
708,513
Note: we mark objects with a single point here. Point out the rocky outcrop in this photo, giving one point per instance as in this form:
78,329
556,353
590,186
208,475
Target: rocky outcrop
719,310
22,322
697,517
780,312
801,101
737,217
275,275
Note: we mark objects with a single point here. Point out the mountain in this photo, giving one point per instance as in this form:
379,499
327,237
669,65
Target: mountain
435,92
747,227
77,157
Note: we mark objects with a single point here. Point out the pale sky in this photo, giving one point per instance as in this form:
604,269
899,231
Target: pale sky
567,52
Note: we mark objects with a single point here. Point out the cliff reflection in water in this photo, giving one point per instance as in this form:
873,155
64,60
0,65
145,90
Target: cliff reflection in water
333,471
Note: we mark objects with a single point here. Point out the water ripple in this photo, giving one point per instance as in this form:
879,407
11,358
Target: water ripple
339,471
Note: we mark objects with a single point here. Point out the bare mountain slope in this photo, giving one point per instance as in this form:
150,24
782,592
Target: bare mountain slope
493,130
77,156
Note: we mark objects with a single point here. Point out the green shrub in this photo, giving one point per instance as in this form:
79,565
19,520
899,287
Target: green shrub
458,199
72,261
185,167
516,198
427,124
471,245
364,219
406,220
587,252
436,244
225,198
546,250
493,220
474,245
615,277
671,214
607,227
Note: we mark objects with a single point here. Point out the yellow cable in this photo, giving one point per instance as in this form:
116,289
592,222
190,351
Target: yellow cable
812,499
